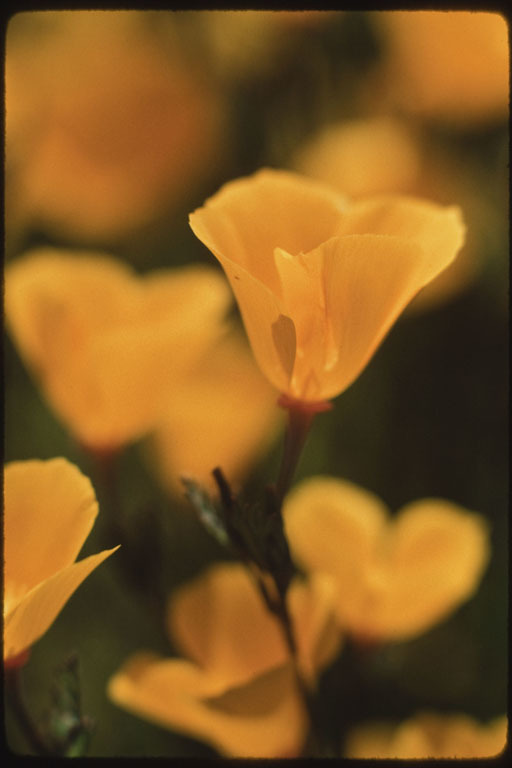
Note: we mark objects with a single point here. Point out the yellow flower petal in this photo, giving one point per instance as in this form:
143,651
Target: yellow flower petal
99,339
325,517
439,551
319,282
361,157
38,609
369,279
263,718
219,620
318,637
431,70
50,508
437,229
429,736
104,139
225,414
394,578
249,217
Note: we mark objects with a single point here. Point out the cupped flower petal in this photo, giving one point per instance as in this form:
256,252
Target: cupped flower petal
50,508
319,282
249,217
393,577
263,718
428,735
106,345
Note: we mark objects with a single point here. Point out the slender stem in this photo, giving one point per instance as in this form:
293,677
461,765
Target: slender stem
300,418
316,746
15,693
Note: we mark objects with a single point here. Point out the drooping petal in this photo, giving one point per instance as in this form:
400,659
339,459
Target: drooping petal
263,718
249,217
50,508
34,614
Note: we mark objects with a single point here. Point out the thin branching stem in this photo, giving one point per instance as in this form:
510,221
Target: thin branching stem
13,684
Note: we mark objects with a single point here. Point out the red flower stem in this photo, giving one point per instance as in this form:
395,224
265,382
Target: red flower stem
12,676
300,418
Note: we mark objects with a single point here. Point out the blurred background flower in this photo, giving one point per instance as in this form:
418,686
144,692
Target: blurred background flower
429,735
393,579
107,347
107,130
225,414
118,124
446,66
236,689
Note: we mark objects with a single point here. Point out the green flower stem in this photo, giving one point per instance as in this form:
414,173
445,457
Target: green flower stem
14,690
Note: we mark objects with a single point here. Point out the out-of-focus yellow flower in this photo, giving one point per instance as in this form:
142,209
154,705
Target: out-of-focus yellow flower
236,690
319,282
394,577
105,129
448,65
382,155
225,414
109,347
49,510
358,158
429,736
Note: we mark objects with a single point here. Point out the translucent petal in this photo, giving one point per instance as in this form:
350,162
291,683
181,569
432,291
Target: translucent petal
439,230
50,508
31,617
249,217
368,279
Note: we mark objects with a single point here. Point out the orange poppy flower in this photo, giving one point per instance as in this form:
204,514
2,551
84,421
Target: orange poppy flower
393,577
319,281
236,689
50,508
107,346
104,138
